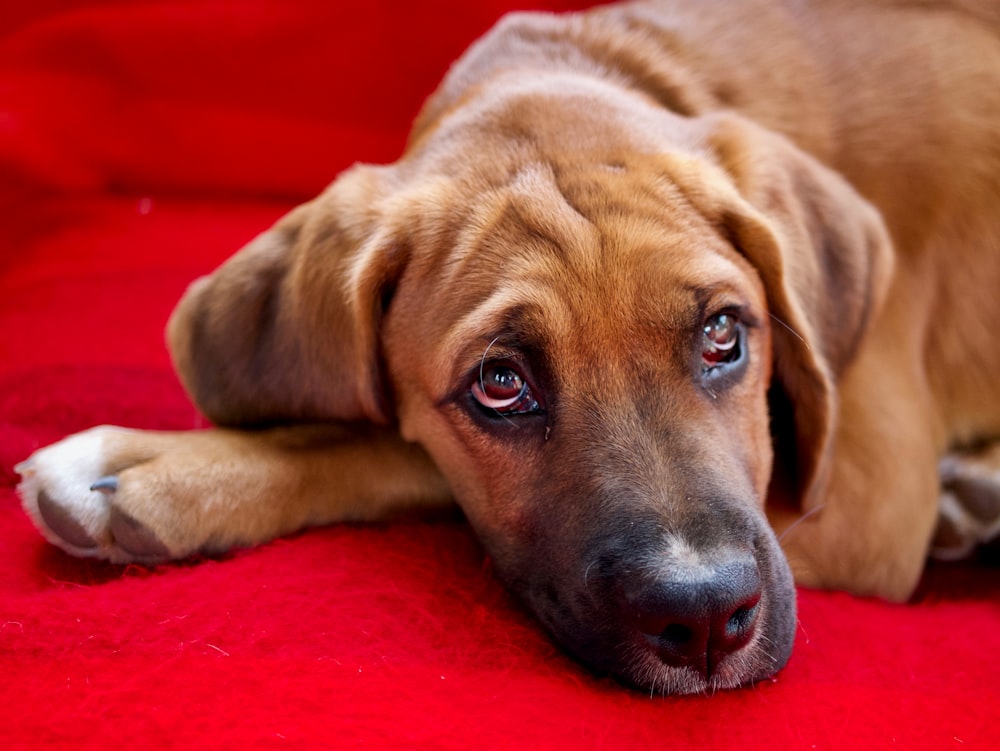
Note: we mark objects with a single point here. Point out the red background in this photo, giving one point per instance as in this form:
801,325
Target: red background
140,144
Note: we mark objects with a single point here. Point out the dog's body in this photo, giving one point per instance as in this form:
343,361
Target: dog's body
631,260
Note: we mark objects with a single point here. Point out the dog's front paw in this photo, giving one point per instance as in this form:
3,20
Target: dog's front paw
71,490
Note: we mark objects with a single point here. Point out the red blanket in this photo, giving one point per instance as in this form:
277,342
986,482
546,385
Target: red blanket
140,144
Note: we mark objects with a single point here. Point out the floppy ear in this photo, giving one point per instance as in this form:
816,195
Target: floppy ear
286,330
825,258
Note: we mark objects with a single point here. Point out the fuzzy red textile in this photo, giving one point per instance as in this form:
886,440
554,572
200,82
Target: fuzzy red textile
140,144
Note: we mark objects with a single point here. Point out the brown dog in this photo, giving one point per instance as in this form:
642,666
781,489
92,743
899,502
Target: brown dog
629,258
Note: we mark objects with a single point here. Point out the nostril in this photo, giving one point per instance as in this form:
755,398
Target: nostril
682,644
677,635
698,623
740,619
740,625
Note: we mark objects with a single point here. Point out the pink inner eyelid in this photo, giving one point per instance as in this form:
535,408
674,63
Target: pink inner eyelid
487,401
722,346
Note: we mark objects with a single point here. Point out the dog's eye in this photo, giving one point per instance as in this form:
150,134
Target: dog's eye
721,340
502,389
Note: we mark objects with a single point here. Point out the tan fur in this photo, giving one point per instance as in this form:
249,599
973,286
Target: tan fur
584,186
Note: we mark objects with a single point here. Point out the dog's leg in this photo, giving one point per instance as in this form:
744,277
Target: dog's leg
129,495
970,502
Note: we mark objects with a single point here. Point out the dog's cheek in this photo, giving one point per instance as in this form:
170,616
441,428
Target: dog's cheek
742,430
759,449
491,487
487,476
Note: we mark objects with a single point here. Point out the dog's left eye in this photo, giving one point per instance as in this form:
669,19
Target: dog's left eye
502,389
720,341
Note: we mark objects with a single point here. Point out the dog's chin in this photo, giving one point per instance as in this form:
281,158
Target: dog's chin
646,672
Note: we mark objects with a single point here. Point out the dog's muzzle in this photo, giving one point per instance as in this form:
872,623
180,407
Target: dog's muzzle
669,611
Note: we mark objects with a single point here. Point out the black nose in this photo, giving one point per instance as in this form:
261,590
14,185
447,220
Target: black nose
693,620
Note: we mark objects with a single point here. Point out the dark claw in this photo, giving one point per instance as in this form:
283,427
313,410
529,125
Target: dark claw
62,524
107,485
136,538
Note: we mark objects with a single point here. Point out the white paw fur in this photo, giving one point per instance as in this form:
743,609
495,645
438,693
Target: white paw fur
65,472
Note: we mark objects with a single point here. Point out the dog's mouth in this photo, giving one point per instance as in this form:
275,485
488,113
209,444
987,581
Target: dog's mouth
674,619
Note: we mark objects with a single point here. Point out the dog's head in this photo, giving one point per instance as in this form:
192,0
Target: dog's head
584,320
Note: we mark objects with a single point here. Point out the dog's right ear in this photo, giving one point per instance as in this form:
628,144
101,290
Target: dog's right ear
825,259
286,330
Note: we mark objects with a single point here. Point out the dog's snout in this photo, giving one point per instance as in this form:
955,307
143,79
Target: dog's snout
696,623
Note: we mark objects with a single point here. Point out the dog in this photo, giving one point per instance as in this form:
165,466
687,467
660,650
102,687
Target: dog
652,287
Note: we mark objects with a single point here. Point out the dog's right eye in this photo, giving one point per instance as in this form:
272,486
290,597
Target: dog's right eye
502,389
721,340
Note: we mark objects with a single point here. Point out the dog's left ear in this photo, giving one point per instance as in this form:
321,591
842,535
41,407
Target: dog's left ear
286,330
825,258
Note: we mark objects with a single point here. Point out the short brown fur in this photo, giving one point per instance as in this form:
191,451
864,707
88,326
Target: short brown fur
577,198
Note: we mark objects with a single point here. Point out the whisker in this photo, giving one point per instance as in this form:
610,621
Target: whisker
801,519
482,360
586,575
794,333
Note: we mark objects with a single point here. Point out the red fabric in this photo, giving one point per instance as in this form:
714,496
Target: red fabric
141,143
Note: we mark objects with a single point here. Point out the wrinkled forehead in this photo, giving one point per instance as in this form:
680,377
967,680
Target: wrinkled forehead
555,254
